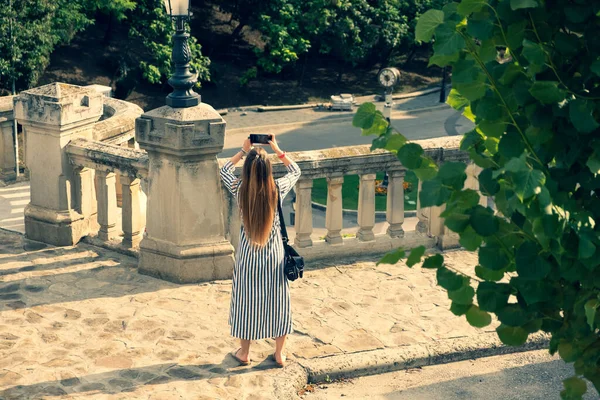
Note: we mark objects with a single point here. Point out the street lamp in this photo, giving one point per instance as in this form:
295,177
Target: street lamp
182,79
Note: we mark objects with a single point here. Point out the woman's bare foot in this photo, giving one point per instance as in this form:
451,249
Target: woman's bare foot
242,356
279,359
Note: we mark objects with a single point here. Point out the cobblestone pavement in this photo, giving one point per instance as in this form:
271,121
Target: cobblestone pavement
247,119
80,322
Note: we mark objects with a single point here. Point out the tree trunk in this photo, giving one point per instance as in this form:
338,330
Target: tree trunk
303,70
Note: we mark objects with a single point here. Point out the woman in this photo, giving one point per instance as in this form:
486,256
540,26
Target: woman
260,298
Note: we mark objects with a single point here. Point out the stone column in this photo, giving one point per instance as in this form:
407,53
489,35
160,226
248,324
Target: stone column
366,207
107,204
85,194
131,216
184,239
446,239
423,214
304,217
53,115
395,203
334,214
7,145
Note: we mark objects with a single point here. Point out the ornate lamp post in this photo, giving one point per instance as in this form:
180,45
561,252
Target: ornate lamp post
388,78
182,79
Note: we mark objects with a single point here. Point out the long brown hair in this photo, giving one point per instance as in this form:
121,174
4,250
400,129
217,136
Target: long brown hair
257,196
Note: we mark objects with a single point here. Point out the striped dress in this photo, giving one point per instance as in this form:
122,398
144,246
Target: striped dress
260,297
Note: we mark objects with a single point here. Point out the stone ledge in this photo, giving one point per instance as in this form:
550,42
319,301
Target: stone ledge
109,157
387,360
118,119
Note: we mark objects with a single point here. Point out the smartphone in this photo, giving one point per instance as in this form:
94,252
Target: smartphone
257,138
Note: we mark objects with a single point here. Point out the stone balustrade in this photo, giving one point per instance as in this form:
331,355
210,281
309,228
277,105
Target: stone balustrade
7,149
105,162
85,167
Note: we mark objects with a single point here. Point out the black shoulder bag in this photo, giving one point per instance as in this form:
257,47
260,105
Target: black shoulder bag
293,262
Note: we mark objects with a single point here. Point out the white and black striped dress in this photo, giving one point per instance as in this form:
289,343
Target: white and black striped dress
260,299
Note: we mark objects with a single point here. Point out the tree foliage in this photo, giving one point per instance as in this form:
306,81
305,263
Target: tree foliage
38,26
537,112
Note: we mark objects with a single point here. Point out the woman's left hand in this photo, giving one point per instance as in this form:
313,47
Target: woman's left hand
247,145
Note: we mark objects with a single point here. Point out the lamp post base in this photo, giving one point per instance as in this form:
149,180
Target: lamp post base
178,101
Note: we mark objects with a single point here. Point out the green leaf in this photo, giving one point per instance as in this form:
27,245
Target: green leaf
459,309
538,135
456,100
394,142
511,145
457,222
512,336
481,29
518,4
527,181
478,318
449,280
586,248
575,388
547,92
447,41
364,116
515,34
491,128
534,53
452,173
590,312
442,61
513,315
461,201
530,265
427,24
433,193
567,352
466,7
488,274
511,73
427,170
593,163
378,127
464,295
433,262
415,256
488,185
393,257
487,51
469,239
492,296
492,257
581,115
410,155
484,222
471,91
489,108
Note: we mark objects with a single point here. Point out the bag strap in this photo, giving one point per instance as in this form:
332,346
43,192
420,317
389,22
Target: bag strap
284,234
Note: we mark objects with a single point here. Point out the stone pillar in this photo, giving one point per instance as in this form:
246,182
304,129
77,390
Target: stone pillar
366,207
334,213
395,203
446,239
472,182
7,144
51,116
85,198
131,216
304,217
423,214
185,236
107,204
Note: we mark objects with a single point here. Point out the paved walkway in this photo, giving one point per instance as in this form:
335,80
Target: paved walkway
80,322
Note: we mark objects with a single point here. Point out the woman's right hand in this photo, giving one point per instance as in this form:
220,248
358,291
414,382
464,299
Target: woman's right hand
247,145
274,145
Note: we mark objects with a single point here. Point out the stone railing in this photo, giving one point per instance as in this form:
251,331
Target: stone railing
84,172
334,164
97,166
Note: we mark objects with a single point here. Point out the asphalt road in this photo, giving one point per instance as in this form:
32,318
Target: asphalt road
523,376
427,125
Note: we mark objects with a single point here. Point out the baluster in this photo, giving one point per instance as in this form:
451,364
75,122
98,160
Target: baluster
333,215
107,204
131,214
366,207
119,191
84,191
472,182
423,214
395,203
304,217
